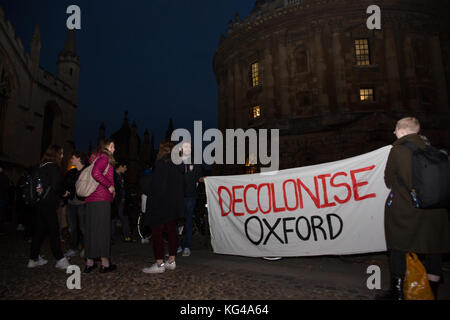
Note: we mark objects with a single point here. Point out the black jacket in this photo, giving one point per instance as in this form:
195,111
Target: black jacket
192,173
167,193
70,179
53,182
120,187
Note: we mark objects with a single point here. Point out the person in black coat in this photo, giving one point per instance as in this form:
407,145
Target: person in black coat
47,218
76,213
119,203
166,207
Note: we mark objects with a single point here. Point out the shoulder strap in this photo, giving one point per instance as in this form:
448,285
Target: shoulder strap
411,146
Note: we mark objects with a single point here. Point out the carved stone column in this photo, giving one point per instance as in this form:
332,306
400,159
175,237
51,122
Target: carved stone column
320,70
222,103
268,84
231,112
339,67
410,74
284,79
392,70
240,115
439,74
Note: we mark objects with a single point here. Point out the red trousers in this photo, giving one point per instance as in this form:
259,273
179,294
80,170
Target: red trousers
158,241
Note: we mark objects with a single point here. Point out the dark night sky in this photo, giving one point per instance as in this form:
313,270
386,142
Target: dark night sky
150,57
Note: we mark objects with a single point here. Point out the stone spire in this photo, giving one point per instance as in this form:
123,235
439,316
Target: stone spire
70,47
36,46
101,133
169,130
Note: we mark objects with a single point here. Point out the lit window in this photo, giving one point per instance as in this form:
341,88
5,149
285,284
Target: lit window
255,74
362,52
367,95
256,112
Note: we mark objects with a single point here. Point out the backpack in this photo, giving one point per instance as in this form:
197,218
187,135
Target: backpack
430,178
28,186
86,184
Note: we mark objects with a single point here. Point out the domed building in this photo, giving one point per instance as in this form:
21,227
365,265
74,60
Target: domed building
334,88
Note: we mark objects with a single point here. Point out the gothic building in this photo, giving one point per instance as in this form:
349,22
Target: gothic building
334,88
37,109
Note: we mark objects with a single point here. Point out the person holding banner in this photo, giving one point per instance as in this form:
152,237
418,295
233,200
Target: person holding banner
193,175
407,228
166,207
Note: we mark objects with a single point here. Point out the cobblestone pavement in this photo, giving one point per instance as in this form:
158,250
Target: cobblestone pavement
202,276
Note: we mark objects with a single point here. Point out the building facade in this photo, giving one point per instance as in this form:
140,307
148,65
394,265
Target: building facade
334,88
37,109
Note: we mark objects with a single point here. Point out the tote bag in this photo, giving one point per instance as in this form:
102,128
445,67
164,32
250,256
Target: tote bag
86,184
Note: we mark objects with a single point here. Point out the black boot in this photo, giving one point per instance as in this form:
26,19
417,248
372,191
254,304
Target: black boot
434,287
395,292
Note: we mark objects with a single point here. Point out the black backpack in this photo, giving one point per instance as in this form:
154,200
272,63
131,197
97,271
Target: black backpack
430,178
28,186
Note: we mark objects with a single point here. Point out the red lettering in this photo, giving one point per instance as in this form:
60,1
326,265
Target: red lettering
315,198
236,200
221,188
253,186
325,195
285,197
275,209
338,185
357,185
268,197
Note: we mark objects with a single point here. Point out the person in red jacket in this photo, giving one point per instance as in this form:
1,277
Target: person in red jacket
98,209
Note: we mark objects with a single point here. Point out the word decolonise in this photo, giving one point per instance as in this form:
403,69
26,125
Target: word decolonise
290,195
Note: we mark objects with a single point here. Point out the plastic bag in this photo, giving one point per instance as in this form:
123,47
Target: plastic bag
416,285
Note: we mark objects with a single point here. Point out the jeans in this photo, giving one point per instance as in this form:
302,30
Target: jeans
397,261
76,220
189,206
123,219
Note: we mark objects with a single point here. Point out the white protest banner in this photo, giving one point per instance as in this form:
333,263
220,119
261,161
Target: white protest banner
329,209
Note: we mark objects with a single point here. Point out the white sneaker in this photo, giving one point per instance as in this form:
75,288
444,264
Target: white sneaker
145,241
155,268
186,252
36,263
42,261
71,253
272,258
20,228
62,264
180,250
82,254
170,266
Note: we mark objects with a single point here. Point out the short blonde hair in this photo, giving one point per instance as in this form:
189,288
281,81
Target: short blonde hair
410,124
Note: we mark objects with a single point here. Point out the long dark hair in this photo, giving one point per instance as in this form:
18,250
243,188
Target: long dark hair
165,148
52,154
105,150
82,156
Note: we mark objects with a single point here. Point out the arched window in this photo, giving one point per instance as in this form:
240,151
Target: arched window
301,60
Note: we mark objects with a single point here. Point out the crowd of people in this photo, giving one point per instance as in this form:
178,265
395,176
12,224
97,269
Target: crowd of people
170,191
171,194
